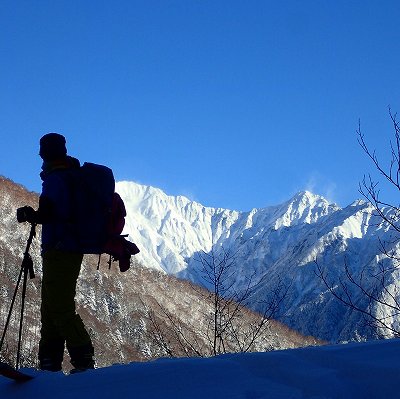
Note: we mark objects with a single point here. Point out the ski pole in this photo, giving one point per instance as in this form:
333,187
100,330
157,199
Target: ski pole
26,266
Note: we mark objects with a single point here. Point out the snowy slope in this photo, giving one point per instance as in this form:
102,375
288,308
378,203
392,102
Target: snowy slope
357,371
278,243
169,230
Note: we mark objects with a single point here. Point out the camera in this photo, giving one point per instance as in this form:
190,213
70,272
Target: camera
25,214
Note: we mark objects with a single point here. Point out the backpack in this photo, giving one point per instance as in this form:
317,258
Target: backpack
99,215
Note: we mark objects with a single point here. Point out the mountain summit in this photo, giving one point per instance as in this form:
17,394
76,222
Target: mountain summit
277,244
171,229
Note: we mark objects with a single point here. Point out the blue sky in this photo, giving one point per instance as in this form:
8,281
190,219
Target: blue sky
236,104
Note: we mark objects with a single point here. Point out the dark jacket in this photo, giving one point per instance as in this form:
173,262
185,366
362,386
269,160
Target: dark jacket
55,207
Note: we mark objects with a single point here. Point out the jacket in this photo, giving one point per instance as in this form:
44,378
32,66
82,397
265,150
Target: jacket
55,206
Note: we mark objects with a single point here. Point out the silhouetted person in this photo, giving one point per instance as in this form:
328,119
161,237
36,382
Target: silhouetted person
62,259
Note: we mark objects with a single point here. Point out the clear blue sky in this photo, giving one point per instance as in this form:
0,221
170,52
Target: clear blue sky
236,104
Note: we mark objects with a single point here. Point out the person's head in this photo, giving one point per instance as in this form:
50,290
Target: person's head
52,147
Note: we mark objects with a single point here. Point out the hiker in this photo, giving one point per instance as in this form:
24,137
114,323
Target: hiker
62,259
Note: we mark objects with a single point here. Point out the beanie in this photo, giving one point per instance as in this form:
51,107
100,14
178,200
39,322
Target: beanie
52,147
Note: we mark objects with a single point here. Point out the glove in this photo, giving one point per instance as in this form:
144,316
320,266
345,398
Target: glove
26,214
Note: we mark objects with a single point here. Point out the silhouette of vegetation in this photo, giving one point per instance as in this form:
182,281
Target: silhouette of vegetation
230,325
374,291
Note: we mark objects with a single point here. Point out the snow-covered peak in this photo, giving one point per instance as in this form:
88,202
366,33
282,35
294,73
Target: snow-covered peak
359,202
306,196
304,207
170,229
275,243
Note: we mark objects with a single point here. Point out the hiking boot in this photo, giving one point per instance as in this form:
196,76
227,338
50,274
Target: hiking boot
82,358
51,353
49,364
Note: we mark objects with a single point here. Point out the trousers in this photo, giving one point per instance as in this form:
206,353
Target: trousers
60,324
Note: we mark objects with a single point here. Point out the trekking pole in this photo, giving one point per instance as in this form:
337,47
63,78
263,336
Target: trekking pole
26,266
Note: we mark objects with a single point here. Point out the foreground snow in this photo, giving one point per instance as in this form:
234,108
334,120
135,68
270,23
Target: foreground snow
367,370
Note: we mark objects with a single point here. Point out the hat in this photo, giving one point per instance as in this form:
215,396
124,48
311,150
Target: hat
52,147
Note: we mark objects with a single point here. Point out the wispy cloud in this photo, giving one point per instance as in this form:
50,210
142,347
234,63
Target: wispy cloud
319,184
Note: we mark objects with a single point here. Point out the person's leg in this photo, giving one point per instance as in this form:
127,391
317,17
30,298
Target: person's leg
52,343
59,318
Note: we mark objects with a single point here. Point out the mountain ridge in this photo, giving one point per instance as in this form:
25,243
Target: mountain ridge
278,243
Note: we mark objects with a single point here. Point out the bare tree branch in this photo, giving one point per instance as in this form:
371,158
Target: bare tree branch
231,325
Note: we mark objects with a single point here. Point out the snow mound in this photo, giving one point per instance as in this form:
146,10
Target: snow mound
362,370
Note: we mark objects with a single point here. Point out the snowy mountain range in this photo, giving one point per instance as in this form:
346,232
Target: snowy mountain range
138,315
279,244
